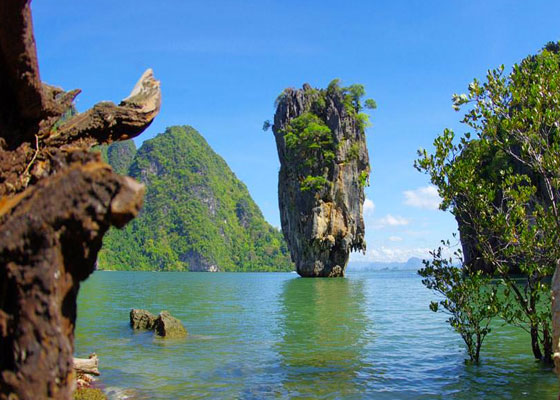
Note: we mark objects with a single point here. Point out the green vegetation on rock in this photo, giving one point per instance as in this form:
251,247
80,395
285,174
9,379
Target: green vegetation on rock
311,142
502,186
197,215
324,166
119,155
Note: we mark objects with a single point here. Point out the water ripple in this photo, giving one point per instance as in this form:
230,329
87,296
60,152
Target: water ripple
255,336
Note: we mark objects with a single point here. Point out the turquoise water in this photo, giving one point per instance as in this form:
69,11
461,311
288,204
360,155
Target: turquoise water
275,335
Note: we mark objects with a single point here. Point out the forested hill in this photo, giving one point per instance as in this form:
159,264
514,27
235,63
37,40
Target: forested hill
197,215
119,155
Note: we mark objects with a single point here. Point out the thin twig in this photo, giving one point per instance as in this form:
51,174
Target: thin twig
34,156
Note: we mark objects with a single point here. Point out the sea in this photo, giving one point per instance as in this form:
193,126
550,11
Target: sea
369,335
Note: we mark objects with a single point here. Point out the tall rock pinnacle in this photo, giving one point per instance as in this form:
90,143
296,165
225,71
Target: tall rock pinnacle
320,136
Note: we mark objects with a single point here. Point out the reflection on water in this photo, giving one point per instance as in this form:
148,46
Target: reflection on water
324,332
262,336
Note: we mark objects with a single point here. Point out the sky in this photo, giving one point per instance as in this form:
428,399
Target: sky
223,63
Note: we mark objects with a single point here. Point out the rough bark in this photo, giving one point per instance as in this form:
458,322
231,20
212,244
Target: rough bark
20,86
57,200
29,161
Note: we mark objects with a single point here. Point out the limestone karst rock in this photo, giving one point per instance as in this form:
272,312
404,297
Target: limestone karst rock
57,200
164,325
168,326
196,209
142,319
324,166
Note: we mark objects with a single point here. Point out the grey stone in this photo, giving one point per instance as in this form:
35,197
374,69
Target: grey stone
142,319
168,326
322,225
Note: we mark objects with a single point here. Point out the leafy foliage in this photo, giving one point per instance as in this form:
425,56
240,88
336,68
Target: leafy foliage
363,178
503,184
468,298
354,151
196,214
312,143
120,155
266,125
370,104
313,183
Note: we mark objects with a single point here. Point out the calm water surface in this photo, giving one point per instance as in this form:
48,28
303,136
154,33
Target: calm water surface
275,335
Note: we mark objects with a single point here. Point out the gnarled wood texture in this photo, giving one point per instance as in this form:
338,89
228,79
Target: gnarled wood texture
88,366
57,200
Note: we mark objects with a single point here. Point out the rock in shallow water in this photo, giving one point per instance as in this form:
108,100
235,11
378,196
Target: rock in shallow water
164,325
168,326
142,319
324,166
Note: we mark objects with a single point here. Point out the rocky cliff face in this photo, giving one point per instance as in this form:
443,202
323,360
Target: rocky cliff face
197,215
324,169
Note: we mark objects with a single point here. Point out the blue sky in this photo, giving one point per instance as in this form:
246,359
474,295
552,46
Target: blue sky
222,64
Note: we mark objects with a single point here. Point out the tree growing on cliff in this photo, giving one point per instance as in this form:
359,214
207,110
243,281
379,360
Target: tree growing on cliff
503,184
309,138
324,166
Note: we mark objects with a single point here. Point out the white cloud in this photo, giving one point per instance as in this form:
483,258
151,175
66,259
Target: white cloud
390,220
395,238
400,254
425,197
369,207
415,233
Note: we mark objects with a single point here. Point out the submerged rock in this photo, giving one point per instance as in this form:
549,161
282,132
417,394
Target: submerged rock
164,325
142,319
324,167
168,326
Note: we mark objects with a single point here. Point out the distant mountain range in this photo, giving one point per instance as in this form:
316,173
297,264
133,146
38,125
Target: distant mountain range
413,264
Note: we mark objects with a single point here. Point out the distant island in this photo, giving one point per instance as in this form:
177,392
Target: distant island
197,215
413,264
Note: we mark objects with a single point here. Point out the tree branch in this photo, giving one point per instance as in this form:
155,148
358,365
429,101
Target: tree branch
49,238
21,95
107,122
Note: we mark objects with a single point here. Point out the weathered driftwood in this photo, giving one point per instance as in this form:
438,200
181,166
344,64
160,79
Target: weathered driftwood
27,162
57,200
88,366
49,238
